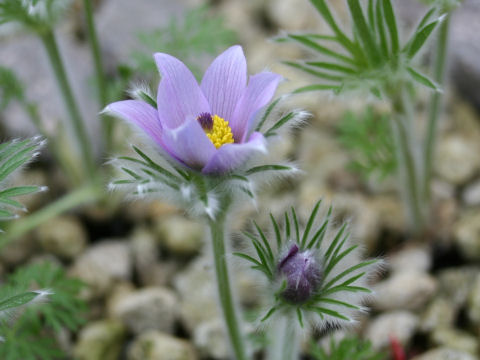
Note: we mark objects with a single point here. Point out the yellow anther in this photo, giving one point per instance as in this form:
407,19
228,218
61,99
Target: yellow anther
221,133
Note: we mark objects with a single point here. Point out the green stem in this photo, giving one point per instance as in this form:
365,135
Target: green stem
79,131
284,341
88,193
99,73
217,228
435,104
408,167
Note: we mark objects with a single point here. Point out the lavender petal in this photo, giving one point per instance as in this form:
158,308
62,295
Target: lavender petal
260,90
179,95
230,156
224,81
139,114
189,144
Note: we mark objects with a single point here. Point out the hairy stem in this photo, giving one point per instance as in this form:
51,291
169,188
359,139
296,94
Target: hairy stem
88,193
284,341
435,104
78,126
217,229
410,170
100,78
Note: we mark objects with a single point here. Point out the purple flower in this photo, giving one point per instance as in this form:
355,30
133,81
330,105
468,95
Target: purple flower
206,127
302,273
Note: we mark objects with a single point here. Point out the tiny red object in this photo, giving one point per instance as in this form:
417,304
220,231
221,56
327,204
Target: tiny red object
398,352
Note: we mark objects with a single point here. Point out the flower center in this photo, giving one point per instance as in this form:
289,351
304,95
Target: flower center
216,128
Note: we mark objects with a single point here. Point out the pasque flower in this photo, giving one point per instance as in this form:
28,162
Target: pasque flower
209,126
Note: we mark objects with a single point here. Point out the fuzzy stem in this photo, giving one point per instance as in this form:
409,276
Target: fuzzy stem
88,193
435,104
284,343
50,44
217,229
99,73
408,167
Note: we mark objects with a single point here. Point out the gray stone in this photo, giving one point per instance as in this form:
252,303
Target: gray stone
404,290
456,284
18,250
154,345
145,254
414,258
439,314
179,235
63,236
455,339
100,340
457,159
473,302
444,353
210,339
466,233
471,194
101,265
198,299
153,308
400,324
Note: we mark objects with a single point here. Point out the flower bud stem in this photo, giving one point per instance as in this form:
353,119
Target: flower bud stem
78,126
284,341
435,103
217,229
100,78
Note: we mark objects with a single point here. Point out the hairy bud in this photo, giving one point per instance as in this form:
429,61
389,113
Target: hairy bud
303,275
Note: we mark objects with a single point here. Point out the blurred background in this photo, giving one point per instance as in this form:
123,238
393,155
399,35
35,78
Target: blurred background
149,289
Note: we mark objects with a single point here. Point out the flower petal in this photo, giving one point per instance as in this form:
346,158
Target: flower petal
260,90
230,156
224,81
139,114
179,95
188,144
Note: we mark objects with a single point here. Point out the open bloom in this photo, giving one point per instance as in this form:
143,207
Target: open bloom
206,127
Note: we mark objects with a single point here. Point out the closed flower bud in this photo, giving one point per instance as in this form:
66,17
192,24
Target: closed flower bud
302,273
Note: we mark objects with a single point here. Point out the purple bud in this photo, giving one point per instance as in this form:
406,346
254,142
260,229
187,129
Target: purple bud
302,273
205,120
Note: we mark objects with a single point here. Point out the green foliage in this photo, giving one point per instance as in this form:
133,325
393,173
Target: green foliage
11,87
13,156
343,273
371,57
349,348
35,15
30,335
368,139
197,34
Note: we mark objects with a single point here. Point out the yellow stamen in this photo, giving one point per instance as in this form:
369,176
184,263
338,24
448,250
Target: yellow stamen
221,133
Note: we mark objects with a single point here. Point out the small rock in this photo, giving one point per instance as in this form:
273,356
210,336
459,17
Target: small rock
101,265
456,284
439,314
154,345
471,194
413,258
197,291
457,158
444,353
151,308
18,250
181,236
210,339
467,234
401,324
473,302
145,253
100,340
63,236
404,290
390,212
455,339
